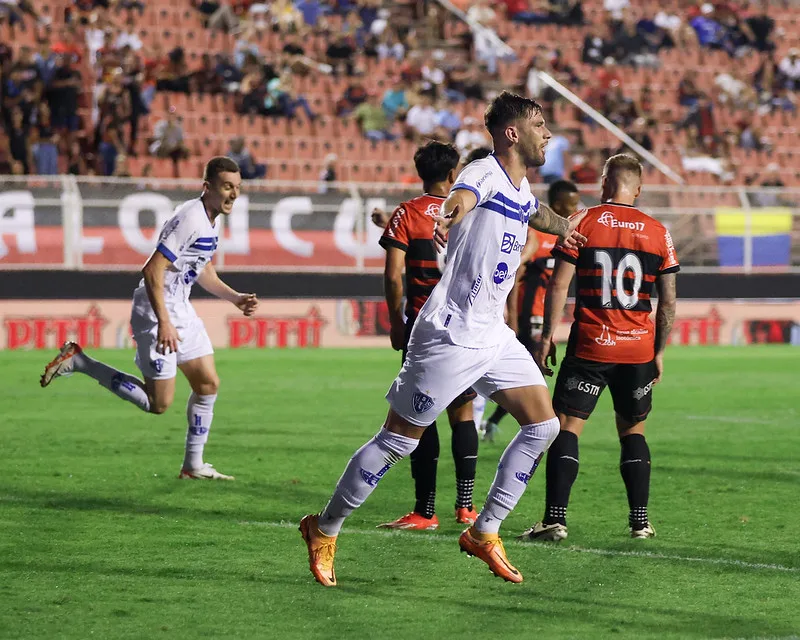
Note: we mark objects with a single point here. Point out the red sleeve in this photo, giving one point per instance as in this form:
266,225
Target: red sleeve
396,232
669,263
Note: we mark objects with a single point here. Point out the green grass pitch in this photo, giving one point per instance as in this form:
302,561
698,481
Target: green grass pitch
99,539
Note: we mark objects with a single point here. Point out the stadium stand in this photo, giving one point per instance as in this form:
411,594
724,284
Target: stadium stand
308,88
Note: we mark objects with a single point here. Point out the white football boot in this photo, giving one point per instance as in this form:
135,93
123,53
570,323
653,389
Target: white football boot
206,472
647,532
545,532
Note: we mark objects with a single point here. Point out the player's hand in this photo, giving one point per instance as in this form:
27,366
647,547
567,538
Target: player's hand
379,217
442,228
574,240
544,351
397,335
659,360
247,303
167,339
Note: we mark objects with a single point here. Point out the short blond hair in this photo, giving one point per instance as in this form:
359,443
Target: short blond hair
617,166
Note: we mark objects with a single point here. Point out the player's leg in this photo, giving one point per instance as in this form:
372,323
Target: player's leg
418,395
396,439
578,387
202,376
71,359
492,425
464,445
632,391
515,382
424,462
478,409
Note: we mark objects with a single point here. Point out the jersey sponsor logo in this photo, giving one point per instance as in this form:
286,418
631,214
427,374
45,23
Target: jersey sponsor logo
574,383
672,259
483,179
501,273
433,209
372,478
607,219
190,276
476,287
170,226
605,339
422,402
641,392
510,244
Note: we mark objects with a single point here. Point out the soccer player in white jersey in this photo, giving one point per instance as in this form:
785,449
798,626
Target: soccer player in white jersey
460,340
169,335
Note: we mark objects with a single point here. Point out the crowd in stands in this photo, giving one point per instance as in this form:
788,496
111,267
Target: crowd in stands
98,86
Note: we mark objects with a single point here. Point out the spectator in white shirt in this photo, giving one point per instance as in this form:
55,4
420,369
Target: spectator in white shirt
471,136
790,67
421,118
129,37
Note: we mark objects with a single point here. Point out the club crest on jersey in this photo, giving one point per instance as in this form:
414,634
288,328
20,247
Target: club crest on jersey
509,243
607,219
422,402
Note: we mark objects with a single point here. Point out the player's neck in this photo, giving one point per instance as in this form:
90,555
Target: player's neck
212,215
620,197
440,189
513,165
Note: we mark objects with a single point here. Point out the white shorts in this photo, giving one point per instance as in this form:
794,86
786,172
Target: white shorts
436,371
194,342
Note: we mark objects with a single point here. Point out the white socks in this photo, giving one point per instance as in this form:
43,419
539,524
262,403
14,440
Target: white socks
124,385
199,413
517,464
367,466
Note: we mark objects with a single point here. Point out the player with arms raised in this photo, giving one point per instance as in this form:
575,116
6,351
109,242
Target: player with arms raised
612,342
168,333
460,340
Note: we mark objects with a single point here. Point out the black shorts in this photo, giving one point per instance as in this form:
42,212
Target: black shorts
580,383
465,396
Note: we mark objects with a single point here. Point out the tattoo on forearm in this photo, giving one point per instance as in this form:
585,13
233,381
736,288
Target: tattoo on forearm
665,314
549,221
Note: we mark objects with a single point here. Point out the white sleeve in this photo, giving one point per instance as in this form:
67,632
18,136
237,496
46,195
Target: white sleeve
176,234
476,177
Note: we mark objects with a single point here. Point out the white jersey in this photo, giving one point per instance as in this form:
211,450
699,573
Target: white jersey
188,240
483,256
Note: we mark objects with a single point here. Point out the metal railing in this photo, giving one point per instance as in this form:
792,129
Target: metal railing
68,222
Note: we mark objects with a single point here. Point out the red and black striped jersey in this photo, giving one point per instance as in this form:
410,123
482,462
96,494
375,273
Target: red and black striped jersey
410,229
616,270
537,274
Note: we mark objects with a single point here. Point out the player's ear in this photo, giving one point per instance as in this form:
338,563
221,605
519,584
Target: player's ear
452,175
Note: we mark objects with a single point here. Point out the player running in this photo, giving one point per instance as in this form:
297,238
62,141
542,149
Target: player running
408,240
612,342
563,198
460,340
168,333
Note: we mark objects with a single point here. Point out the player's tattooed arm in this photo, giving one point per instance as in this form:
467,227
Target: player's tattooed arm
549,221
665,313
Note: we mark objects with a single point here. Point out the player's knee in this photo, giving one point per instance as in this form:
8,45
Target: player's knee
208,387
548,429
159,406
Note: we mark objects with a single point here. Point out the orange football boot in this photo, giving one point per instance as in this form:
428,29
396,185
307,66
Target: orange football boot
412,521
489,548
466,515
321,550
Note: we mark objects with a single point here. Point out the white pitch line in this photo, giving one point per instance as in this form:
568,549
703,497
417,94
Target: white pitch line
440,537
